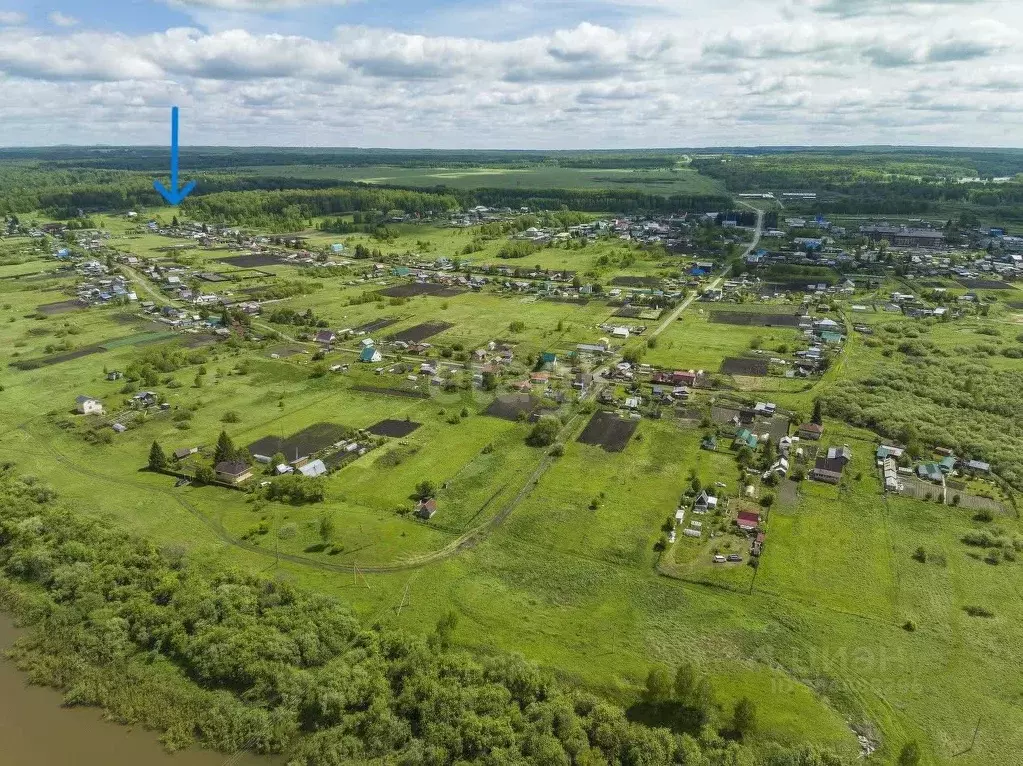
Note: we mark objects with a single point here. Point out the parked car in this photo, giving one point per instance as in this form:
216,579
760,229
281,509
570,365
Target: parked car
719,559
734,557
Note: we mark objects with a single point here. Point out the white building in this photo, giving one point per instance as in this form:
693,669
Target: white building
87,405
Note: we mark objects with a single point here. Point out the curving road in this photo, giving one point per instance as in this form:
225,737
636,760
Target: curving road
674,315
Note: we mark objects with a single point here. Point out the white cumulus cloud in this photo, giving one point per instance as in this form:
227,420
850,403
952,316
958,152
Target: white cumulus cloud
62,19
725,72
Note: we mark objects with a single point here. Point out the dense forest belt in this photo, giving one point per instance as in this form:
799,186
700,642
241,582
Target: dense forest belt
251,208
152,159
243,662
260,200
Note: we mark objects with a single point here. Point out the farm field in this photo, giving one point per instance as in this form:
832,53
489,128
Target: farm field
667,182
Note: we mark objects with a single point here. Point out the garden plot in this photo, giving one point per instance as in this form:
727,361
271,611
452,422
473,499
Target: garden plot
283,352
421,288
754,318
306,442
638,312
985,284
407,393
421,332
925,490
609,431
393,428
513,406
636,281
60,307
379,324
199,340
738,366
254,260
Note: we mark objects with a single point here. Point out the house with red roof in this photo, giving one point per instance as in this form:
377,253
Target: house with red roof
748,521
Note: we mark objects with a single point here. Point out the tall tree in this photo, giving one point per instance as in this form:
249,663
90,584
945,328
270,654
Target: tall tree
744,718
818,413
658,684
685,682
327,528
703,702
157,458
225,448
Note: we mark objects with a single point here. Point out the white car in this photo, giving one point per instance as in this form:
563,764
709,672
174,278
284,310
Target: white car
719,559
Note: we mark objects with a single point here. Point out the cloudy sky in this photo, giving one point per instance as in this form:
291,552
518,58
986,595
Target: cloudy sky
512,73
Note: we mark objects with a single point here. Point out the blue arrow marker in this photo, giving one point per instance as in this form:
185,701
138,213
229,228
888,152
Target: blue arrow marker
174,196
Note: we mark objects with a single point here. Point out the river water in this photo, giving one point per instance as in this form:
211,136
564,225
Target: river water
36,731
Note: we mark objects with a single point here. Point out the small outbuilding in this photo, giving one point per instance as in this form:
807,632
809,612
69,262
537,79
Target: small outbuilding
88,405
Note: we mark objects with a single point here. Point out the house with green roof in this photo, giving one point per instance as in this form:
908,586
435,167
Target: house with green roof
745,438
930,472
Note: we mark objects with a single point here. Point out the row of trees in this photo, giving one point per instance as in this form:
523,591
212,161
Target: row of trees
297,205
243,662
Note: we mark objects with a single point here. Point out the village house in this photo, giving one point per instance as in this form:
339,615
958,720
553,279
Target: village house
977,466
748,521
745,438
811,431
144,399
313,469
829,469
583,381
325,337
88,405
233,471
426,509
370,354
705,503
887,450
